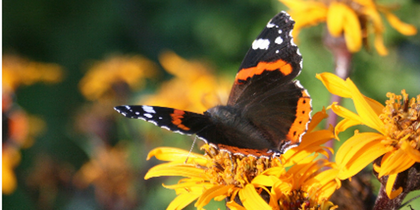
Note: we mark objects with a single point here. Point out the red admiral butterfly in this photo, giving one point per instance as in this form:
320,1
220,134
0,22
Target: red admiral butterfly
267,112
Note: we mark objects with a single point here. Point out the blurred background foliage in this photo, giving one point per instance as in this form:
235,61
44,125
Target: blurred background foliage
89,56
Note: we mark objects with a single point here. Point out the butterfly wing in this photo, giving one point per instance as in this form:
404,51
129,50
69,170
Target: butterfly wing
264,88
176,120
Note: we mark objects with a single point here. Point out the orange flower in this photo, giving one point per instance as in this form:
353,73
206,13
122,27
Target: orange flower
398,140
294,180
354,19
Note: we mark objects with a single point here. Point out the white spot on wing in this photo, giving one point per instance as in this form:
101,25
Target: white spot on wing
164,127
260,44
277,51
148,115
148,109
270,25
278,40
280,31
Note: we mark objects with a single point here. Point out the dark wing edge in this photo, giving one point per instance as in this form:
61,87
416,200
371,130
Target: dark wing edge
175,120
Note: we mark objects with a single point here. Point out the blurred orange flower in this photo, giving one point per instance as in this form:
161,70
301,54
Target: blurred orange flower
19,71
10,159
354,19
112,176
98,82
19,128
193,88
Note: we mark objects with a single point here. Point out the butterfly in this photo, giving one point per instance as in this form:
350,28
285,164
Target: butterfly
267,112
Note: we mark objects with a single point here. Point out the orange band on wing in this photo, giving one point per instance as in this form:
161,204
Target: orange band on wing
262,66
299,126
176,119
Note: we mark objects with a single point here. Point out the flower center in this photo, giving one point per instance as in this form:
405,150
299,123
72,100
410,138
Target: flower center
228,169
401,117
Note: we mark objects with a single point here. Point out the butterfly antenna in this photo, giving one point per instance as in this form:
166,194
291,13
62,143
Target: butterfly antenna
192,146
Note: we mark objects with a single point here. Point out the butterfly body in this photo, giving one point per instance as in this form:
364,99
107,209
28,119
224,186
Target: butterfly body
267,111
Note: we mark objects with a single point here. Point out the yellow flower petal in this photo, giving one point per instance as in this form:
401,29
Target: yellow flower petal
182,201
369,116
413,153
334,84
375,17
396,162
343,125
281,187
264,180
209,194
299,5
316,119
338,86
376,106
175,154
315,138
335,18
352,31
251,199
357,152
390,184
403,28
234,206
188,183
174,169
379,44
346,114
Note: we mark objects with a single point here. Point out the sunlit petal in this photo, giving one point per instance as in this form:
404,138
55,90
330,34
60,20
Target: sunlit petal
336,17
379,44
211,193
369,116
183,200
403,28
397,162
413,153
316,119
352,31
343,125
390,184
174,169
175,154
334,84
251,199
